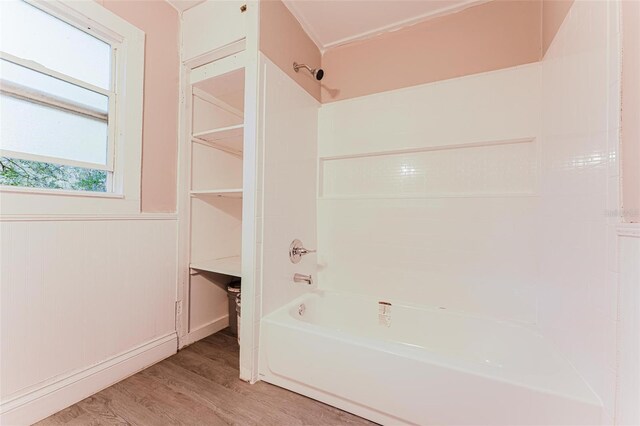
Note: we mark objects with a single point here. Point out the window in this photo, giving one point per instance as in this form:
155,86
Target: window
55,97
70,99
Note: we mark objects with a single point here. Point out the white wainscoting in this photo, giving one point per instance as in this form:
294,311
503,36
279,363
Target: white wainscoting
628,335
85,302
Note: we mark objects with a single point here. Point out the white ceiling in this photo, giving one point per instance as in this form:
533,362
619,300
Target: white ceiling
182,5
331,23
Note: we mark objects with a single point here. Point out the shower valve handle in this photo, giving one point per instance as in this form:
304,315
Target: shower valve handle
297,250
302,251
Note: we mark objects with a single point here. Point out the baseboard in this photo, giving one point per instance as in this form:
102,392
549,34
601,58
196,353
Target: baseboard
52,397
205,330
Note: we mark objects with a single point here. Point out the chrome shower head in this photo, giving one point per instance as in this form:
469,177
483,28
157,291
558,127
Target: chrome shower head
318,73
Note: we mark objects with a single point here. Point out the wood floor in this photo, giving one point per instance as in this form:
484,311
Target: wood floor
199,386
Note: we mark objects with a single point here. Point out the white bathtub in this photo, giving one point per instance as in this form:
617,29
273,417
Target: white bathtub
427,366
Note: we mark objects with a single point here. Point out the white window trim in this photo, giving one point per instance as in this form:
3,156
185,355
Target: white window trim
128,42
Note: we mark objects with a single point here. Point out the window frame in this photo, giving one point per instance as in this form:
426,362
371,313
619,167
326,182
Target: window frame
111,115
124,140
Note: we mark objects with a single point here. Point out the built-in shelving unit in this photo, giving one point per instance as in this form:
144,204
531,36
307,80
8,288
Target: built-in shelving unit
219,95
217,138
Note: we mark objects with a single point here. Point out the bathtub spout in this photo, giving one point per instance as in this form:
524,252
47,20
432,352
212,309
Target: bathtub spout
301,278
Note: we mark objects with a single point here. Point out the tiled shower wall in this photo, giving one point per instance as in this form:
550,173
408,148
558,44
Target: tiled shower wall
428,194
579,193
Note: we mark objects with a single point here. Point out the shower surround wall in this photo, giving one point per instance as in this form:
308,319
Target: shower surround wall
287,157
488,194
427,194
579,193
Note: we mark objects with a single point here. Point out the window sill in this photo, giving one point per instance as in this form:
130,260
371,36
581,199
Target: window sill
16,201
58,192
87,217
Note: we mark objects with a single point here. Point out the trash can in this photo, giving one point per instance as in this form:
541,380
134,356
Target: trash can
233,290
238,315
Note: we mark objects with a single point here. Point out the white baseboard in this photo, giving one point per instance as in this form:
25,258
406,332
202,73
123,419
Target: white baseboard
205,330
39,403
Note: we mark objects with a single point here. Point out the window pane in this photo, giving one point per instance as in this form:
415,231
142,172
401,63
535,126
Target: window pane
34,174
29,33
33,128
16,76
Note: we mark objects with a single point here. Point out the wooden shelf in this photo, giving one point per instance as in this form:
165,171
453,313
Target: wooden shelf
228,139
221,133
227,265
223,79
226,193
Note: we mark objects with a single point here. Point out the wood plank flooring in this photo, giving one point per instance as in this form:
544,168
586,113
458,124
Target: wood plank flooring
199,386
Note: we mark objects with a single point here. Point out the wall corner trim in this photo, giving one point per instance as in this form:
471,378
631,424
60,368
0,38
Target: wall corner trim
63,391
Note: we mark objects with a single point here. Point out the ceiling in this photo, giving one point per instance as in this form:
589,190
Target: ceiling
331,23
182,5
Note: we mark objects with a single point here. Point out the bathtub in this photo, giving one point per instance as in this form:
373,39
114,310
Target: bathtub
395,363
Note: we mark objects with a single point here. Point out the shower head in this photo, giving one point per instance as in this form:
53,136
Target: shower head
318,73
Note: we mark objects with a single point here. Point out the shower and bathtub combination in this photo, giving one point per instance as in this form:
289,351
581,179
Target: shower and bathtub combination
397,362
451,283
393,361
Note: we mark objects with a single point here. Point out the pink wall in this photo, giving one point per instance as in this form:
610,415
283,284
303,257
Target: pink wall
631,111
553,14
160,22
487,37
283,41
